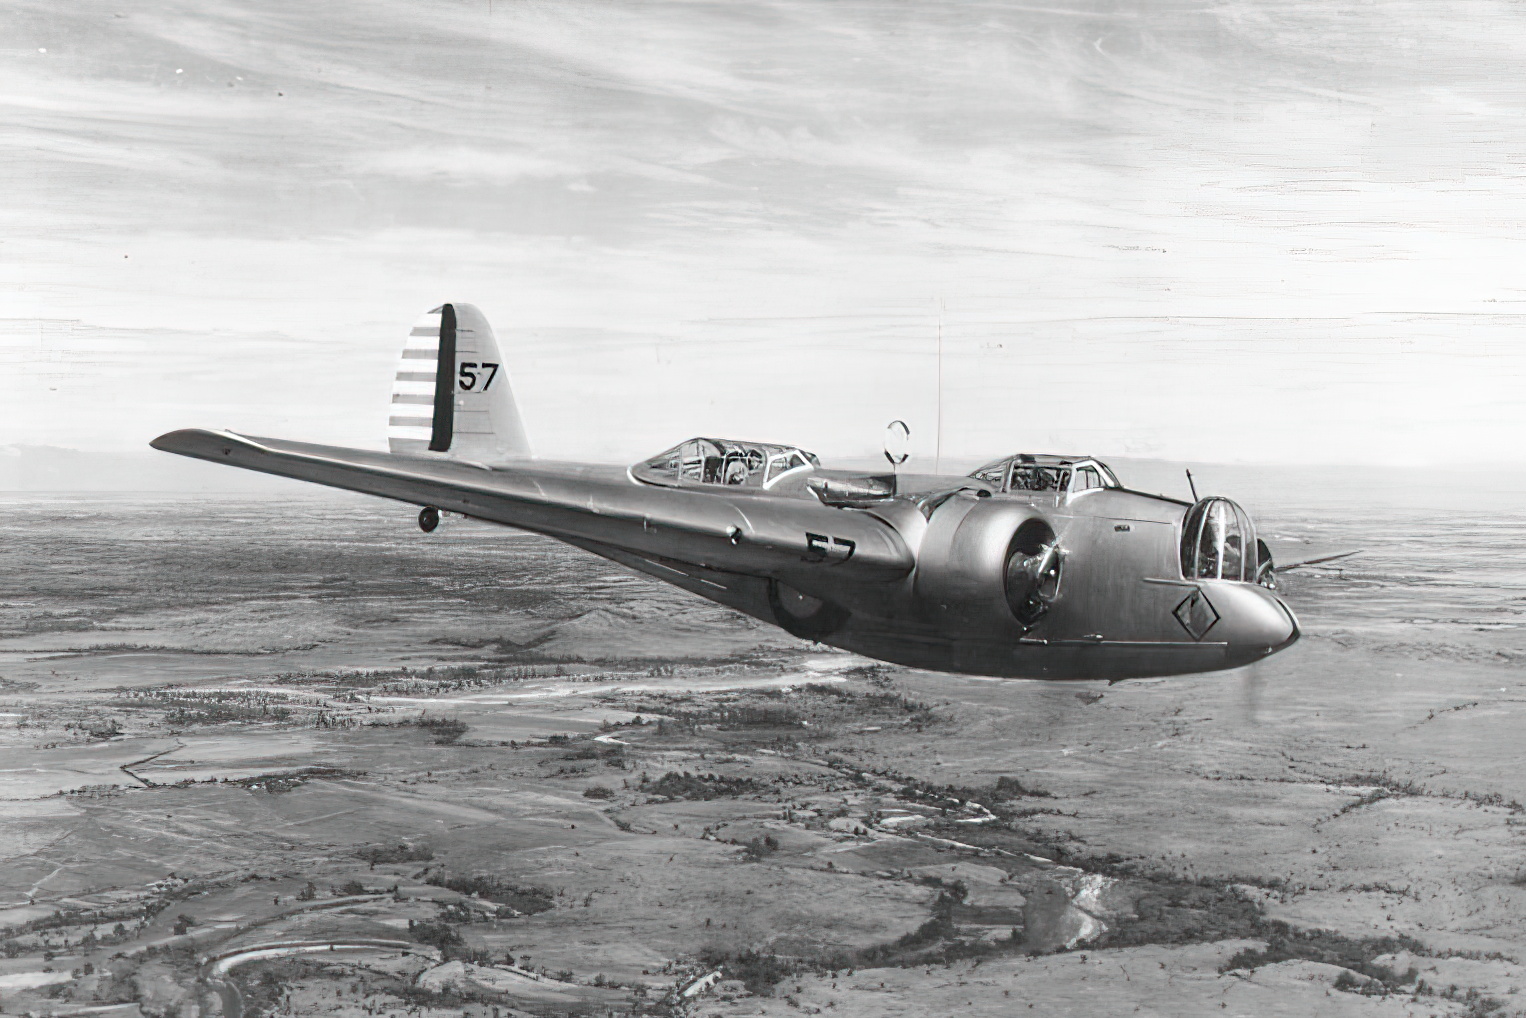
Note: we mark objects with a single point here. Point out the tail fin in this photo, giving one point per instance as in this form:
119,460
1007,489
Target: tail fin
451,395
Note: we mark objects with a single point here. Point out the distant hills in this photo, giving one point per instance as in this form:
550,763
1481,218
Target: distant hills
49,468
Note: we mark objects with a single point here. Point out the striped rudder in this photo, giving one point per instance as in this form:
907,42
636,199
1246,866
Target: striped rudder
410,426
451,394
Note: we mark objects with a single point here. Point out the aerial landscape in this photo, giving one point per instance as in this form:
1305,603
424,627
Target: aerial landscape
268,756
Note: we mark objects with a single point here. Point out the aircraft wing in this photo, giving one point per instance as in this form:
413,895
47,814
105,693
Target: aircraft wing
601,508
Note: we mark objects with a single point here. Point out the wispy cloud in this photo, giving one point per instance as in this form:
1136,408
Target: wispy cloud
1288,218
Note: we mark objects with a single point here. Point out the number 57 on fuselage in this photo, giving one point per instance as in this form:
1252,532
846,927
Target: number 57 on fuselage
1033,566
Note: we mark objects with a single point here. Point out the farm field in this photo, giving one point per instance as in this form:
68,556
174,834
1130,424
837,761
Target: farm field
265,757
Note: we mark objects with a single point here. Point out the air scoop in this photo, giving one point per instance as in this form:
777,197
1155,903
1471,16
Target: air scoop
845,492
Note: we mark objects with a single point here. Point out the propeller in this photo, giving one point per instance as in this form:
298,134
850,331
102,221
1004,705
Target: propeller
1033,580
1300,563
1251,682
1267,570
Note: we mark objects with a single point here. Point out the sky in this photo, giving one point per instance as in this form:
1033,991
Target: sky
1237,232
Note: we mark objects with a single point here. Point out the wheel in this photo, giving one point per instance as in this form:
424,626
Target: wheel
429,518
802,615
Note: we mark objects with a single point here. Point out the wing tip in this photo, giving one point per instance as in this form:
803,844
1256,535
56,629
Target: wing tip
200,442
172,441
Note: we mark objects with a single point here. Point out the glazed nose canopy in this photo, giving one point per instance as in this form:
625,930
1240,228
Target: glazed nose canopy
1219,542
1252,621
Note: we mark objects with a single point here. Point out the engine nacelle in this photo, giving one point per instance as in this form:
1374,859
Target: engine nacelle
987,568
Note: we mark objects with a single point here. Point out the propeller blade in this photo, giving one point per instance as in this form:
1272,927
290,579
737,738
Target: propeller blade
1300,563
1250,689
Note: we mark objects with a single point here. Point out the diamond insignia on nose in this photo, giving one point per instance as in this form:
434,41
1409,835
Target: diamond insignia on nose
1196,615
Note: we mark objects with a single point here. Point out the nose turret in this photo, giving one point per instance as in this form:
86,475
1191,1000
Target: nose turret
1252,621
1220,550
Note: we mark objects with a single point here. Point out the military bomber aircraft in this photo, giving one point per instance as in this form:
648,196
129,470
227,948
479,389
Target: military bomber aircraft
1033,566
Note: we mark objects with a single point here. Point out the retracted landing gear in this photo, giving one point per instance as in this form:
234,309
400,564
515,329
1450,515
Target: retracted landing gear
429,518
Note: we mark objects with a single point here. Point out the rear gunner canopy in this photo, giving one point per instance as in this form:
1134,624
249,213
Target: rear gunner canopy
1026,473
724,462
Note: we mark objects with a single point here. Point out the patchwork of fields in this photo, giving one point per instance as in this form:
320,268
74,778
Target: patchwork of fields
276,758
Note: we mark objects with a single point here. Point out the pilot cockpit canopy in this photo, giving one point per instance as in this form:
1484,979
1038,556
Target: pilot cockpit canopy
725,462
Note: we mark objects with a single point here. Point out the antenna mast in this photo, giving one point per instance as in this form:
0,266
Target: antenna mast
938,429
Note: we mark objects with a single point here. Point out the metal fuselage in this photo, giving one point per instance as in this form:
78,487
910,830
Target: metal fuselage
1122,608
922,577
925,582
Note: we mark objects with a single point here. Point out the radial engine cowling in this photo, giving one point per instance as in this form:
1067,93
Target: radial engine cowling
987,569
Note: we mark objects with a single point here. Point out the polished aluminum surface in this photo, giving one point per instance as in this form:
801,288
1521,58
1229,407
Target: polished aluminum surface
1029,568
